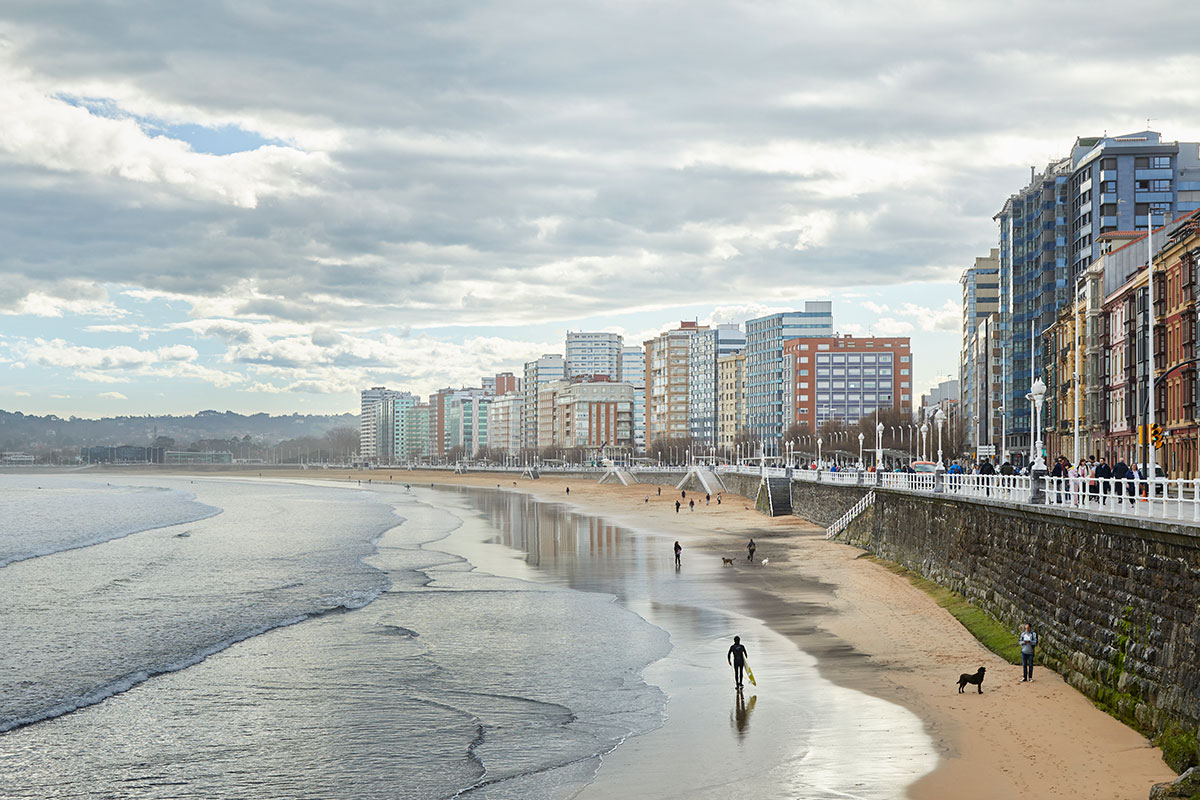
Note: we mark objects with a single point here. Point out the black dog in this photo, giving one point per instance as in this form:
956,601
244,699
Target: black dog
976,679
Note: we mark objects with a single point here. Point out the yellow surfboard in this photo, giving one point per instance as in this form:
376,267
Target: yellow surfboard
750,674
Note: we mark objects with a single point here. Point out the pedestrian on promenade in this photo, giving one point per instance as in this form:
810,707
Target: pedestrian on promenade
737,657
1104,475
677,506
1028,641
1007,468
678,551
1057,472
986,468
1120,472
750,548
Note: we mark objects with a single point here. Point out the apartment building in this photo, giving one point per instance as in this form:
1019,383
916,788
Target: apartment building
550,367
765,380
705,349
594,353
466,421
667,382
633,372
586,413
731,399
847,378
505,423
981,299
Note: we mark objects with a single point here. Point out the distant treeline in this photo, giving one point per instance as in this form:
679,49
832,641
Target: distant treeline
49,434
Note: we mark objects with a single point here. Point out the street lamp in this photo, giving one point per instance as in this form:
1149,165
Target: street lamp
1038,391
878,446
860,452
924,441
819,440
940,419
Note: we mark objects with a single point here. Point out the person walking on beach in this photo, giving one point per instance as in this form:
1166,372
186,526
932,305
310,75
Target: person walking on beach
1028,641
750,548
707,498
737,658
676,506
678,551
660,491
691,505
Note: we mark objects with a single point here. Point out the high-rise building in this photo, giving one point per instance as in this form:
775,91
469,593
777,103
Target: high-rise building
505,415
633,372
419,429
1051,231
581,413
731,399
765,364
594,353
667,382
393,437
466,421
986,395
550,367
847,378
981,299
378,432
705,349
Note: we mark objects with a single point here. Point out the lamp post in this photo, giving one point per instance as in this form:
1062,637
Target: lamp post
819,440
1038,392
924,441
878,446
1151,456
940,419
860,452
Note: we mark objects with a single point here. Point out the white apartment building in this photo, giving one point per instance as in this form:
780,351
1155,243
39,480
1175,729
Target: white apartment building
505,426
550,367
594,353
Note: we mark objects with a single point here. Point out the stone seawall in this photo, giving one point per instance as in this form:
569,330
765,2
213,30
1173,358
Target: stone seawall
1114,600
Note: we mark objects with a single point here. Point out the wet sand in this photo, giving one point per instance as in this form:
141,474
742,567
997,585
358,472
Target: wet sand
872,631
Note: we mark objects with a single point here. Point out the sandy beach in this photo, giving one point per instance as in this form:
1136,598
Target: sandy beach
872,631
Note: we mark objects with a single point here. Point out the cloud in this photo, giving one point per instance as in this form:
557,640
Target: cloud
112,396
457,168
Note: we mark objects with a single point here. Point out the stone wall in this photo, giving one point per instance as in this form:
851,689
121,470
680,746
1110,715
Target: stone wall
1114,599
825,503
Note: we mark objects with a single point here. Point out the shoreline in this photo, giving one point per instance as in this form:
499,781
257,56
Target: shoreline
872,631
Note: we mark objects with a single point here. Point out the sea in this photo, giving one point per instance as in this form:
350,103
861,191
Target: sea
171,637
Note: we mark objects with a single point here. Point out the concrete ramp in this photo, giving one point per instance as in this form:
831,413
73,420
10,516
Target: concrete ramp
617,475
709,481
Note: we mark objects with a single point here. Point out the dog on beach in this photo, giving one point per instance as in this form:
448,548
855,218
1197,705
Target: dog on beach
976,679
727,561
766,561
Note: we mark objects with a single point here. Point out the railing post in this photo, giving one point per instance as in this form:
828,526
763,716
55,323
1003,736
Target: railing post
1037,486
878,477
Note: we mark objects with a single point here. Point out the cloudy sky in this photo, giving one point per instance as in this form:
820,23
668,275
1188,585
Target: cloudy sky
268,206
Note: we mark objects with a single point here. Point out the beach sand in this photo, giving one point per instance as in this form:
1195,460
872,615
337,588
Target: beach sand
873,631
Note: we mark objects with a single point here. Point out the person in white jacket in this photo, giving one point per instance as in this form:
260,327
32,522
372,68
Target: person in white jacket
1028,641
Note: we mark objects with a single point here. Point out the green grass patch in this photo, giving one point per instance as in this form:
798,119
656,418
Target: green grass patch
993,635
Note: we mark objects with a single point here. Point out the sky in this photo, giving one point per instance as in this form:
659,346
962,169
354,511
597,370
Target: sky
271,206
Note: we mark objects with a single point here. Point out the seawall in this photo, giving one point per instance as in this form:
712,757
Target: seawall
1114,599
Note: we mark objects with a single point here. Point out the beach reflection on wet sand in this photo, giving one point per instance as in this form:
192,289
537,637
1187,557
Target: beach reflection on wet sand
810,738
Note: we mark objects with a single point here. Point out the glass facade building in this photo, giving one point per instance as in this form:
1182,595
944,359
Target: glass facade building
706,348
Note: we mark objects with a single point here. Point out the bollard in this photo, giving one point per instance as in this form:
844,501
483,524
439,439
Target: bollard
1037,488
939,481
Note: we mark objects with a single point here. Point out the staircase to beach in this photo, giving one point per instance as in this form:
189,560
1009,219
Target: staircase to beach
774,497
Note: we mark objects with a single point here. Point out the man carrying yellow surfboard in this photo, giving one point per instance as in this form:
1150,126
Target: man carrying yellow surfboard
737,657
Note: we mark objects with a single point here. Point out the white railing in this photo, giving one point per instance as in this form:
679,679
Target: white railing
1016,488
1162,498
845,520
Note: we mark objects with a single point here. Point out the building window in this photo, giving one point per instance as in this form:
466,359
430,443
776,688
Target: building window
1108,163
1160,162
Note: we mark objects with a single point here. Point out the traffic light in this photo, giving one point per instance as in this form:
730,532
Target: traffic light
1141,435
1156,436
